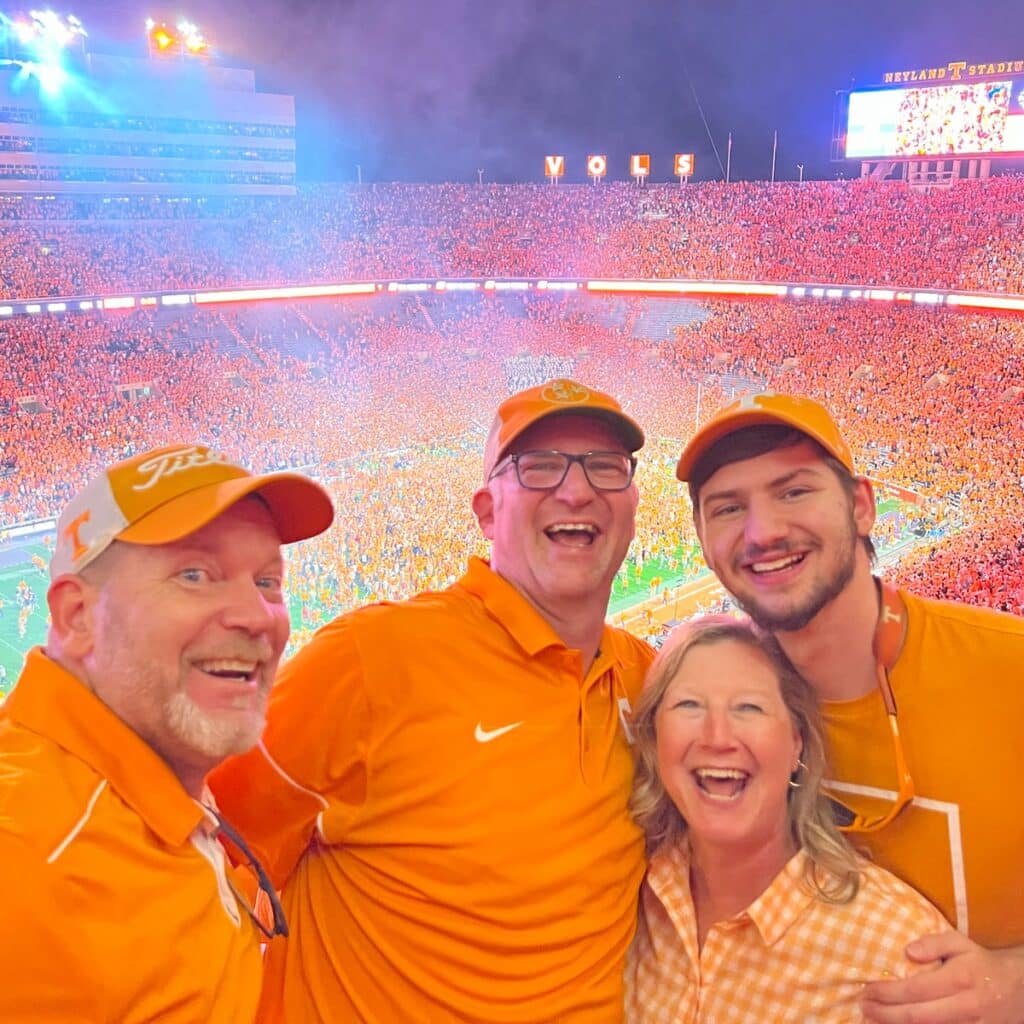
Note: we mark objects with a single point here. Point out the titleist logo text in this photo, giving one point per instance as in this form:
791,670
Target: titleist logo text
177,461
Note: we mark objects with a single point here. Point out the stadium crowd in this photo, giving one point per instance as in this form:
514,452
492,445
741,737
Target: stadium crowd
389,398
859,231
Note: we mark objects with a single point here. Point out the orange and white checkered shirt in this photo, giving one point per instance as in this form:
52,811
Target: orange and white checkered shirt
789,957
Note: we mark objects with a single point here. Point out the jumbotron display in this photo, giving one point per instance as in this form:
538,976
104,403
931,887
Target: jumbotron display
983,118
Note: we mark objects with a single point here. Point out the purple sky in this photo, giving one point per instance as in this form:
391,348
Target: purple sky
429,90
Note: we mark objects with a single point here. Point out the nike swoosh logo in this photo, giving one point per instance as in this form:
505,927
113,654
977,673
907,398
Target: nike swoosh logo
486,735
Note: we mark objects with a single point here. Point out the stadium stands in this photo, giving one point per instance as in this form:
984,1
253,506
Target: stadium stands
389,397
834,232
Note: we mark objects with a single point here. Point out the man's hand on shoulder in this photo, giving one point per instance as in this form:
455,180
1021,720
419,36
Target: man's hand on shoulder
970,985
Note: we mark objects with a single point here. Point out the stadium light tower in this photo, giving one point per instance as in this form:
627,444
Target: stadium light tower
192,40
47,31
182,39
39,44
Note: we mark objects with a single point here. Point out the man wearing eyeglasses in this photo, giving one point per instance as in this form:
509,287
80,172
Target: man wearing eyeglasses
923,699
442,783
167,623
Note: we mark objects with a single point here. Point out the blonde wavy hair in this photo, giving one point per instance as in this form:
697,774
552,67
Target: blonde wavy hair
832,870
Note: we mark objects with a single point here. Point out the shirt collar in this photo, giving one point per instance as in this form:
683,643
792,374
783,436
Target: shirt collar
527,626
772,913
51,702
779,906
523,622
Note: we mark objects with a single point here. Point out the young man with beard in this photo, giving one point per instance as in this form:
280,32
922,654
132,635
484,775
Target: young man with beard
923,699
167,623
442,784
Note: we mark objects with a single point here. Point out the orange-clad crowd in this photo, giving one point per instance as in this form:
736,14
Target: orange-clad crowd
389,397
845,232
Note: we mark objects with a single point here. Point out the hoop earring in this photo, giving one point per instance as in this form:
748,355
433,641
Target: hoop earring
800,766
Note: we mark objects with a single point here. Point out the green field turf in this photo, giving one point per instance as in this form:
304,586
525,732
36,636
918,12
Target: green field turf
13,644
630,588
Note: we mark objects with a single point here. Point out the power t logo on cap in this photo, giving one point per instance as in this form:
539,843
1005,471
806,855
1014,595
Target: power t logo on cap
561,397
803,414
162,495
564,392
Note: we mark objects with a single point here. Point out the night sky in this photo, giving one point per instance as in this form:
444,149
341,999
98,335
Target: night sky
433,90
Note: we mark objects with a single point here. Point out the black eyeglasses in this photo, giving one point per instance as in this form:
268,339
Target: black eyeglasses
280,922
544,470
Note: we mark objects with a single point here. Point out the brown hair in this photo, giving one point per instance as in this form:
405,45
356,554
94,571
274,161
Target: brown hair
749,443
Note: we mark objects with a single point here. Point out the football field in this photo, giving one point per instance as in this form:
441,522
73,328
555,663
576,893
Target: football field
23,614
662,590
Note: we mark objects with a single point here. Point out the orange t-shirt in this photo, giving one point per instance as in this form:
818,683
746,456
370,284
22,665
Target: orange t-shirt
115,902
959,690
443,784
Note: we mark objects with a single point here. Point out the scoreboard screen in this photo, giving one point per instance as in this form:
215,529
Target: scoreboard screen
966,119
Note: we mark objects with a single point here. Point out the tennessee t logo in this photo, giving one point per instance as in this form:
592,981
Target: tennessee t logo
625,717
564,392
753,401
71,534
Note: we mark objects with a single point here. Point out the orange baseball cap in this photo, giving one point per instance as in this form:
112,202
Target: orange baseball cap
803,414
555,398
167,493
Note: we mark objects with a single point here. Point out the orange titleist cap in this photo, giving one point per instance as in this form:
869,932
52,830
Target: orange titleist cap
165,494
555,398
803,414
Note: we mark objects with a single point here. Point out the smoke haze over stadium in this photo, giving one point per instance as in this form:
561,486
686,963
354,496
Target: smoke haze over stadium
413,91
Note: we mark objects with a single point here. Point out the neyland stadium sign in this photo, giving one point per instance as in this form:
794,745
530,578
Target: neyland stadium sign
956,71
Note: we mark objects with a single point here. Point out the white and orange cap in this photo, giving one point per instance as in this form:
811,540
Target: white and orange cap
555,398
167,493
803,414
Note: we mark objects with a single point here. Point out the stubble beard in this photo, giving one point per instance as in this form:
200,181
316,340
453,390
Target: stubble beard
823,593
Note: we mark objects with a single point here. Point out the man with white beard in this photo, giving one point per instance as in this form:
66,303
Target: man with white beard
167,623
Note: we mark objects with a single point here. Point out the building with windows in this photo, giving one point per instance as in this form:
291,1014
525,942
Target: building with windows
169,125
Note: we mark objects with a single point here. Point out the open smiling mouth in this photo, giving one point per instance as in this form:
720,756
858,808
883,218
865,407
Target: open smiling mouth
226,668
776,565
724,784
574,535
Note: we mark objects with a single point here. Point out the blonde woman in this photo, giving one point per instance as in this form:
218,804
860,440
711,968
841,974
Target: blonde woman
754,907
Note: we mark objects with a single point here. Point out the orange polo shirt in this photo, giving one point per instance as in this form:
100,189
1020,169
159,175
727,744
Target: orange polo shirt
115,903
789,958
959,689
443,784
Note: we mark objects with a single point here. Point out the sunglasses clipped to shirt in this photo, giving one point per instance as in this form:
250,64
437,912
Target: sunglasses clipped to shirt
280,925
889,636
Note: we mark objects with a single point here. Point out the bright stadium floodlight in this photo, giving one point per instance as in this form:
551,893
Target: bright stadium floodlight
48,31
51,77
40,41
192,38
24,31
184,37
160,38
